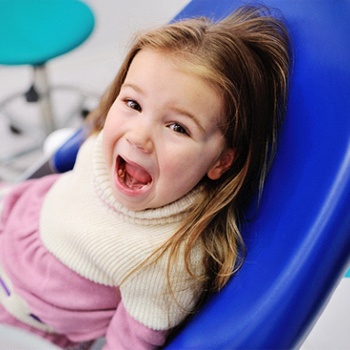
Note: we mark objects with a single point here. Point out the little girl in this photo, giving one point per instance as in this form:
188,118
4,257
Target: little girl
147,223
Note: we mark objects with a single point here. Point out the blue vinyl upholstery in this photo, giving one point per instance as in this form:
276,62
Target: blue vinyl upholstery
299,243
64,158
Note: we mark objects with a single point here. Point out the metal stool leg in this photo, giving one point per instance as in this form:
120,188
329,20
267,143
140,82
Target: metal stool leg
41,85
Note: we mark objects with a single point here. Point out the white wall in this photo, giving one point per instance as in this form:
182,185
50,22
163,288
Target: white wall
96,62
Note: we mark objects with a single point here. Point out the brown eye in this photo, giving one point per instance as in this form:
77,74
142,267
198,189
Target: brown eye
133,105
178,128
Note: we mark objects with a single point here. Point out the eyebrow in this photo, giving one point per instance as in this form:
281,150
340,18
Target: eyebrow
191,116
132,86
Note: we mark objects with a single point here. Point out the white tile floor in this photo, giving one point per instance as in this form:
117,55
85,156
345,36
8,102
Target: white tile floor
91,67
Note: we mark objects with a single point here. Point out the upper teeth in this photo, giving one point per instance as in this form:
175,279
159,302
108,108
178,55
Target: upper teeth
121,173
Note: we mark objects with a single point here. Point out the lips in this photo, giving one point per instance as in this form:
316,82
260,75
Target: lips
131,175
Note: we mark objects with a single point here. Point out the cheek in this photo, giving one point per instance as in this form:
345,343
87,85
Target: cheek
110,134
110,121
197,165
107,149
109,138
113,116
183,167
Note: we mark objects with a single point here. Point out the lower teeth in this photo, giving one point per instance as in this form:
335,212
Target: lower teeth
129,181
132,184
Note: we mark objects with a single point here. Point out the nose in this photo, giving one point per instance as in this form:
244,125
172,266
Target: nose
141,138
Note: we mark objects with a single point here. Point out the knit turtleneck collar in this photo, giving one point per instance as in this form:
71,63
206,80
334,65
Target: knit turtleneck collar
173,212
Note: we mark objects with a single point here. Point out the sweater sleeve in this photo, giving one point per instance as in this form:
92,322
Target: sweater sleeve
124,333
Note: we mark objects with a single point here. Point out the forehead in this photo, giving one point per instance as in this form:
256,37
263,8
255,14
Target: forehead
172,78
187,62
180,62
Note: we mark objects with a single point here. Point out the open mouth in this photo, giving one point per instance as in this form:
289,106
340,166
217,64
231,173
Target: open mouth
132,176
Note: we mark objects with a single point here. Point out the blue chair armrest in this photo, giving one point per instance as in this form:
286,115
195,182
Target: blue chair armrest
64,158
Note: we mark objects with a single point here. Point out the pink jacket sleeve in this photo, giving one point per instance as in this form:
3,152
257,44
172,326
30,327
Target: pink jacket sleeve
124,332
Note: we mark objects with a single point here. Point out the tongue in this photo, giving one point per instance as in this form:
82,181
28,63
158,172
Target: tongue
139,175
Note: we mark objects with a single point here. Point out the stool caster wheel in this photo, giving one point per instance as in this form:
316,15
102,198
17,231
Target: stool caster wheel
84,113
15,130
32,95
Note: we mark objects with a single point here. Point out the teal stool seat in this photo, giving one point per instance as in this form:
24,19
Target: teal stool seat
33,32
36,31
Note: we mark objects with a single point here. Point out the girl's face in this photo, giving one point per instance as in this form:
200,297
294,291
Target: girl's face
161,135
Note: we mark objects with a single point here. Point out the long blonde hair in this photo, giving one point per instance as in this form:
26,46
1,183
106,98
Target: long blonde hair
246,58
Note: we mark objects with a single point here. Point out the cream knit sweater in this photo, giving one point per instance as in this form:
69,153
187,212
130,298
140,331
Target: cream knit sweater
98,238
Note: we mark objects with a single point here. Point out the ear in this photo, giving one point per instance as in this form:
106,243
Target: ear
222,164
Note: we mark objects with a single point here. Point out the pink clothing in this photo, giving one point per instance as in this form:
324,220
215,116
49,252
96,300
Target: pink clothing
57,295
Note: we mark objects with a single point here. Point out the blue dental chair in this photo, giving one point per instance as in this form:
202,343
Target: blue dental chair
299,242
